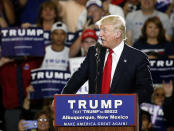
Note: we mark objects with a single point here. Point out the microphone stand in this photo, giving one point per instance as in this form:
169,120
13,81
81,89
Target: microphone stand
97,55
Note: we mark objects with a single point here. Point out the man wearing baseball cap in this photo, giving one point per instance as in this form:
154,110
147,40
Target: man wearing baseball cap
89,38
93,13
57,54
80,46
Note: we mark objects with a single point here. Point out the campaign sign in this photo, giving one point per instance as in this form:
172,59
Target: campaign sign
46,83
22,42
162,70
74,65
162,5
157,115
95,110
47,38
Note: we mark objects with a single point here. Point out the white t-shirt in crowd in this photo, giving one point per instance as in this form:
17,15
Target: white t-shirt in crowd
56,60
135,21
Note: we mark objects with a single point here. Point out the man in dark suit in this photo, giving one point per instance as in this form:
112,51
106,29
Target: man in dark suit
129,68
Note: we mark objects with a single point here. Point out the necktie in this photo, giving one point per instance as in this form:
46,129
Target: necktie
106,80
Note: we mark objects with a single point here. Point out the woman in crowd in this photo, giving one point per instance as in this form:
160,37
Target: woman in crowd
42,121
153,41
47,16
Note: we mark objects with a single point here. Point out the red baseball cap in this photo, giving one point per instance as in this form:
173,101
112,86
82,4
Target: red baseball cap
89,33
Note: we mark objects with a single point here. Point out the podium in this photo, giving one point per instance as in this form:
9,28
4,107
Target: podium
109,112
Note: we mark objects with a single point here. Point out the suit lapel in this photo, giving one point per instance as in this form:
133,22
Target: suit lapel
121,66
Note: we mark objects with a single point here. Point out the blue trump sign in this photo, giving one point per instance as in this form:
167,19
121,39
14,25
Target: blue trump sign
162,70
22,42
96,110
46,83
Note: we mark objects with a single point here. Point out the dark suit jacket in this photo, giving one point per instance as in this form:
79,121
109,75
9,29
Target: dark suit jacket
132,74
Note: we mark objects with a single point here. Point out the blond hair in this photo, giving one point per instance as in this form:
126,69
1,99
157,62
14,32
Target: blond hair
117,21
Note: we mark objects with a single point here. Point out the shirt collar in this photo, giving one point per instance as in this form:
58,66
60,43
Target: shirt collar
118,49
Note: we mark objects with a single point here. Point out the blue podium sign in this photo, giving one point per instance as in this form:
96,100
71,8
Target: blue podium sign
96,110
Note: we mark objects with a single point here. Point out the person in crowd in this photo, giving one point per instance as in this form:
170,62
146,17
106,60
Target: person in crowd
160,107
86,21
153,41
56,58
146,121
47,16
157,116
29,10
133,62
130,6
136,19
31,107
90,16
81,45
57,54
7,11
71,11
44,121
14,85
111,9
95,10
158,96
168,105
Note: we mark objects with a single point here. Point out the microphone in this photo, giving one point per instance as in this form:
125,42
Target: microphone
97,55
98,50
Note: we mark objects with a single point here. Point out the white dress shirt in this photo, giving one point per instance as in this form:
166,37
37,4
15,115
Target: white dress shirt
115,57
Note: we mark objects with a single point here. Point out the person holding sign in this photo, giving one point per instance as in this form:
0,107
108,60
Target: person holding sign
121,68
56,58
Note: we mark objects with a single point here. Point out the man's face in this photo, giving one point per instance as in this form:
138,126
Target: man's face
107,35
58,37
95,12
147,4
88,42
